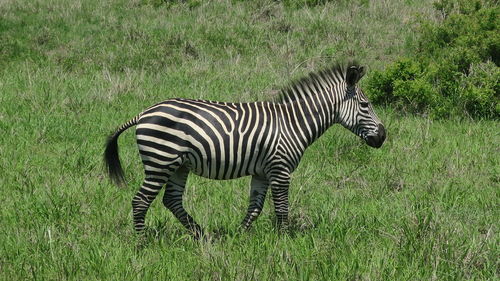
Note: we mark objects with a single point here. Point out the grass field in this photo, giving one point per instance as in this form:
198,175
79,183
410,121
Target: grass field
423,207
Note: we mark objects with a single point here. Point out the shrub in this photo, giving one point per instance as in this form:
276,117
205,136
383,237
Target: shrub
455,70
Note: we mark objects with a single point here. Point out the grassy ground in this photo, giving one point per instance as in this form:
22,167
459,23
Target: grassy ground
425,206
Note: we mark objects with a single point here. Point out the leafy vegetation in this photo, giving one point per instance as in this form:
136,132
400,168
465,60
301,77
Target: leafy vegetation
455,71
424,206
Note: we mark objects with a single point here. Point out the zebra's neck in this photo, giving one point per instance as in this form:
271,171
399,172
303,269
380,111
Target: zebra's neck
305,120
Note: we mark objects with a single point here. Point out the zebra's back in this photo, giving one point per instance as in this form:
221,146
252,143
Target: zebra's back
213,139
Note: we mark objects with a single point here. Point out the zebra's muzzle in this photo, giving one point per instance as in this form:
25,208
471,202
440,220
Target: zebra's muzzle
378,139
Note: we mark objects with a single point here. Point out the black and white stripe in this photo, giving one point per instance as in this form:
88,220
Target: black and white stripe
219,140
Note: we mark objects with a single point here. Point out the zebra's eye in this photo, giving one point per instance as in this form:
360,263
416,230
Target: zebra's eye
363,104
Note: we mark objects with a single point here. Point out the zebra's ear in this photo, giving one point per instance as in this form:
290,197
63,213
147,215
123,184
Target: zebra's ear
353,75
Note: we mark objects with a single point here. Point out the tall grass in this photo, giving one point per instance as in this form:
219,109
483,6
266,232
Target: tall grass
425,206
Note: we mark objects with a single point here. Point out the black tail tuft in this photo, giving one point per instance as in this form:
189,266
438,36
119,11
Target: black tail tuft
112,160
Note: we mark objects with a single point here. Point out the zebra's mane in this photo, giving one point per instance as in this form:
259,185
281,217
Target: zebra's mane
315,83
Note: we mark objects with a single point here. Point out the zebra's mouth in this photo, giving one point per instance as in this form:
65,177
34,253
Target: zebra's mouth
378,139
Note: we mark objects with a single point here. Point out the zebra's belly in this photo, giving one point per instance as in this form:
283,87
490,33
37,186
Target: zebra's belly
222,170
213,176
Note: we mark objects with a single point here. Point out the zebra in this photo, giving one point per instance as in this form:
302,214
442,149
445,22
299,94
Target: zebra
222,140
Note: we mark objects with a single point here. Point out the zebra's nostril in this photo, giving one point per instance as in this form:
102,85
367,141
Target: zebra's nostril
378,139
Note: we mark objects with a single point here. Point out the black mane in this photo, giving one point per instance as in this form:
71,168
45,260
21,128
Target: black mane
315,82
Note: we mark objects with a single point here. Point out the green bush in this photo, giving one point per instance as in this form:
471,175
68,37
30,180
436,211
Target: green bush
455,71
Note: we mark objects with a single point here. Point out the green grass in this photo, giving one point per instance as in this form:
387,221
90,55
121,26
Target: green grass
423,207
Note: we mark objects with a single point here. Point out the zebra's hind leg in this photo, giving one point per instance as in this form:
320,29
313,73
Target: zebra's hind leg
258,192
172,199
156,175
143,199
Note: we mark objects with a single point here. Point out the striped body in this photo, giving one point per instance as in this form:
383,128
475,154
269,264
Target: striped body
213,139
219,140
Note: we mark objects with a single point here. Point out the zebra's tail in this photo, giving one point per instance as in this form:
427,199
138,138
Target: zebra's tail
111,158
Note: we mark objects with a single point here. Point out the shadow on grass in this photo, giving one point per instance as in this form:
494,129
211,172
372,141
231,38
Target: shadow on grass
172,234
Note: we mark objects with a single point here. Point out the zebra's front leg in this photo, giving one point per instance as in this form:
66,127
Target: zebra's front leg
279,190
172,199
258,192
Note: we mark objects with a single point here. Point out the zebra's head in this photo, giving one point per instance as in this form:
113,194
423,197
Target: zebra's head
356,112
